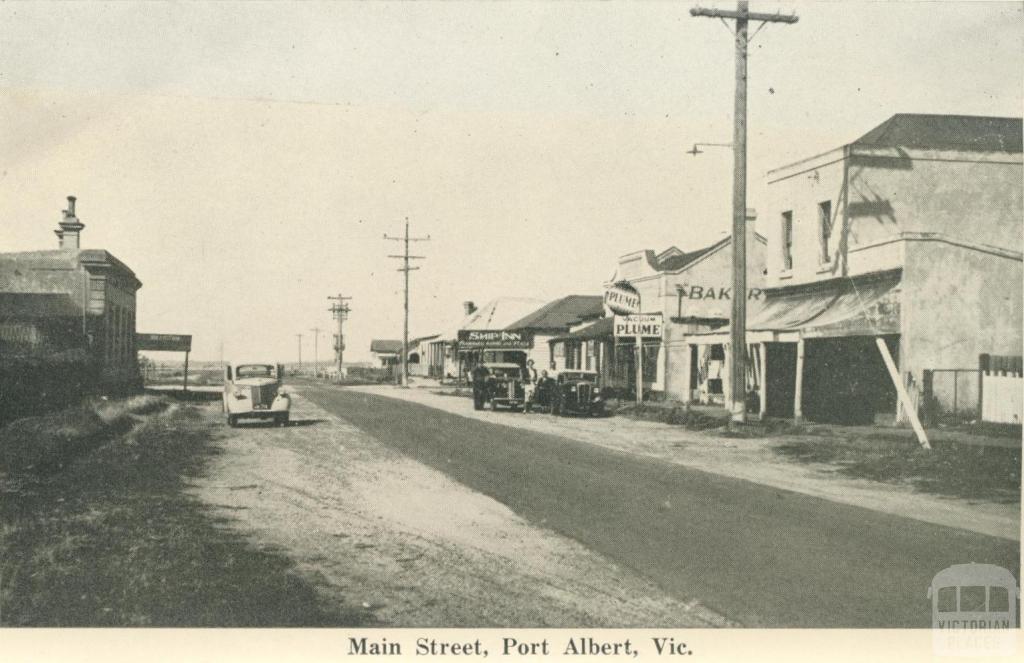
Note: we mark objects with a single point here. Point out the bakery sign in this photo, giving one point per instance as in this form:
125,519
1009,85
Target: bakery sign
495,339
622,298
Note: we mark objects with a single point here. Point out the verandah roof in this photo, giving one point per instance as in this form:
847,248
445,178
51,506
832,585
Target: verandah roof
864,306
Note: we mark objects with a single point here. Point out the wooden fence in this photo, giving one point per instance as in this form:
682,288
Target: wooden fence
1002,389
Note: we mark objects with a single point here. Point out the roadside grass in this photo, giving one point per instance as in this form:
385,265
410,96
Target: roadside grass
973,472
97,529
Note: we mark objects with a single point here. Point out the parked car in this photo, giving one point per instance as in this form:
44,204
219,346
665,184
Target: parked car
577,392
505,386
254,391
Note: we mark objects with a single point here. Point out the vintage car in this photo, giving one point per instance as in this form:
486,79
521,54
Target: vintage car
505,386
253,391
576,392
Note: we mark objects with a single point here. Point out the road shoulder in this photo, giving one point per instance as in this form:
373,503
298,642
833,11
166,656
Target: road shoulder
412,547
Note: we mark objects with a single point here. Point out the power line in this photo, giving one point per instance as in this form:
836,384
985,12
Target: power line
738,321
405,258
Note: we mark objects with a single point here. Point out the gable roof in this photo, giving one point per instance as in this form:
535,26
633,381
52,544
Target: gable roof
495,314
562,313
682,260
386,346
949,132
600,329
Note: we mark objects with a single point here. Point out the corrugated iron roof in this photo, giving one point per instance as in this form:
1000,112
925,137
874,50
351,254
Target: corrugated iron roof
951,132
562,313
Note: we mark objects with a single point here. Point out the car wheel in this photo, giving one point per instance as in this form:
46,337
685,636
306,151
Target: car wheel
494,406
281,419
232,420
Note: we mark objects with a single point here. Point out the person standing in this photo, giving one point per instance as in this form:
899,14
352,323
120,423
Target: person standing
479,374
529,384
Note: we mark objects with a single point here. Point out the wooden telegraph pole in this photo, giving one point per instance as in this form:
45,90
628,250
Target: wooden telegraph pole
316,350
405,257
340,311
738,323
299,336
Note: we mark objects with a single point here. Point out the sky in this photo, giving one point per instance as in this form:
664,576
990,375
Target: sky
246,159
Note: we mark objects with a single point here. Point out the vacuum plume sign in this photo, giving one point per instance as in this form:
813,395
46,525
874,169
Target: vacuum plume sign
646,325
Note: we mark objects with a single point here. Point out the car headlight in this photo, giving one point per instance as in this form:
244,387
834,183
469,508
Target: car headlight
240,393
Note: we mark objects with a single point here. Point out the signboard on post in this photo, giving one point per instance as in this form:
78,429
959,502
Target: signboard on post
495,339
167,343
164,342
638,326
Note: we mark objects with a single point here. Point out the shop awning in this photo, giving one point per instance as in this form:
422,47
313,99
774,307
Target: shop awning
603,328
843,307
863,306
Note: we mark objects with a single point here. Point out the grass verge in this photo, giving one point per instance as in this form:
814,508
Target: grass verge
974,472
96,529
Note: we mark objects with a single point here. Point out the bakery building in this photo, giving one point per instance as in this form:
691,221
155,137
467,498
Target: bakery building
910,236
691,292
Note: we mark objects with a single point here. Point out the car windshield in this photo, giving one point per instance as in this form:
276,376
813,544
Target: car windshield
505,372
579,377
254,371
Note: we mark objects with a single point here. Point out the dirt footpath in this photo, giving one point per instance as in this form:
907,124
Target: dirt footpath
752,459
373,529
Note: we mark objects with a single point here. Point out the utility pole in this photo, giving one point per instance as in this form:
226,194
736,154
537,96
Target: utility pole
316,350
738,322
340,312
300,353
405,257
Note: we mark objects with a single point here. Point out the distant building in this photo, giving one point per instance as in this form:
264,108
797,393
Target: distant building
387,352
912,234
70,299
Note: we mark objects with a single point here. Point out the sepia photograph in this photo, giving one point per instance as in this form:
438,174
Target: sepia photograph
611,325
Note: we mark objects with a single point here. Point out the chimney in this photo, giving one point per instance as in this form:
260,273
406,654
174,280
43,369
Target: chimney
469,308
70,231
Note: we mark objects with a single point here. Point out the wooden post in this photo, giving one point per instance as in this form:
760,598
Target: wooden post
798,391
738,322
184,386
639,369
901,390
928,395
763,352
983,367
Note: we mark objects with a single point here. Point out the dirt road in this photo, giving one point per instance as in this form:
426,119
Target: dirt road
376,530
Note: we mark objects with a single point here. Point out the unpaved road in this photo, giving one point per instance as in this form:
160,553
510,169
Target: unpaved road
372,528
757,554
